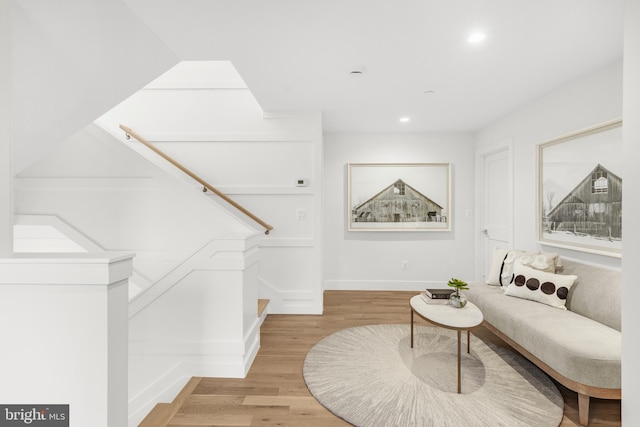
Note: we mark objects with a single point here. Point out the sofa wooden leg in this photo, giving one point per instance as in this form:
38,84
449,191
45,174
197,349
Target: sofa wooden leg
583,408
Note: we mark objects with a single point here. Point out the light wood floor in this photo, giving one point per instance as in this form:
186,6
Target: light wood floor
274,392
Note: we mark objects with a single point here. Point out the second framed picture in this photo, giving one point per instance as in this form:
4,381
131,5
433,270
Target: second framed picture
399,197
580,190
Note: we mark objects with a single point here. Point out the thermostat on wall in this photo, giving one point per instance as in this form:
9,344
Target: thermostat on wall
302,182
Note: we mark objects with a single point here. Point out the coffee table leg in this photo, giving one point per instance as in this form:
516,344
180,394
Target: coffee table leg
468,341
411,328
458,360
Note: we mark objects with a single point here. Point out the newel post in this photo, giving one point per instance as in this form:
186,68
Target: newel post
63,337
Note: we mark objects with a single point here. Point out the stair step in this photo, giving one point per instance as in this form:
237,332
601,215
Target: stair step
162,413
262,310
262,305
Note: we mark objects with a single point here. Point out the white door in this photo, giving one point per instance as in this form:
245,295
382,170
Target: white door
497,203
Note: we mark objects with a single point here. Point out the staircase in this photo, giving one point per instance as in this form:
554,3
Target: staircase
193,293
40,233
162,413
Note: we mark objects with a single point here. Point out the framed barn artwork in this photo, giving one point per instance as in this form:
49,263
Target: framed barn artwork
580,190
399,197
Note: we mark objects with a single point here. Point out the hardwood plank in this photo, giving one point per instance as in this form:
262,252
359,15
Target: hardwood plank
212,399
329,420
238,406
180,420
235,388
289,401
274,392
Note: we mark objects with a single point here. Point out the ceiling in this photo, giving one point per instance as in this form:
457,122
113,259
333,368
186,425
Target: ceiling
416,61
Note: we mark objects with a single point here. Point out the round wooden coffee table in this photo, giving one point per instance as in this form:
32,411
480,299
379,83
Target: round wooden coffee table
447,316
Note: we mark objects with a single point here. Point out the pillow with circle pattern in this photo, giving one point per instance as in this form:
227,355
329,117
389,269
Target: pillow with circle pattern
541,286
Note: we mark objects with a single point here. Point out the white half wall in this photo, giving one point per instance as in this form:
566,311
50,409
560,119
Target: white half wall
374,260
593,99
205,325
64,325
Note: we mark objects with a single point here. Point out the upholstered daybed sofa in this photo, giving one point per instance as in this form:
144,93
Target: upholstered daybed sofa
576,339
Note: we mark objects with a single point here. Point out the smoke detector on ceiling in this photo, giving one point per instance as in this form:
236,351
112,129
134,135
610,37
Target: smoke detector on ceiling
356,71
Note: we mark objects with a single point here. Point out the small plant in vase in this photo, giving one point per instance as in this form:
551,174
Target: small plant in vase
458,299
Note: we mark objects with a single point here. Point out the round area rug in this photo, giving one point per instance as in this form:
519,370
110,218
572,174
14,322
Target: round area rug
369,376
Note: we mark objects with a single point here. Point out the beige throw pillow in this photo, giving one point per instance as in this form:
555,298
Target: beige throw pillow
501,271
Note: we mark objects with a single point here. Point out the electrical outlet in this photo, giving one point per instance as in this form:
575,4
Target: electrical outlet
405,265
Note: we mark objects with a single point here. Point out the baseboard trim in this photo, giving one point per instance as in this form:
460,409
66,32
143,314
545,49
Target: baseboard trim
290,302
381,285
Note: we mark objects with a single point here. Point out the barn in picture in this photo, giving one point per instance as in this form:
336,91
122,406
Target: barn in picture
593,208
399,202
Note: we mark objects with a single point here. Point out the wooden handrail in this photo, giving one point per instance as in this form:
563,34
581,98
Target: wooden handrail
206,186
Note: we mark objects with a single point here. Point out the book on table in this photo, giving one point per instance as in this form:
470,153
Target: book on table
438,293
430,300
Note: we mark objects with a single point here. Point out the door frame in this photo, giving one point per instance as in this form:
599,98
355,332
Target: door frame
482,257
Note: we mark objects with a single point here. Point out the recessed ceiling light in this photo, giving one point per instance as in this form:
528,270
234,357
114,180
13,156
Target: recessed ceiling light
404,119
476,37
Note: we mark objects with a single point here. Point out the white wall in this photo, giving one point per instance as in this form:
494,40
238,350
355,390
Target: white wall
631,197
73,60
595,98
373,260
6,175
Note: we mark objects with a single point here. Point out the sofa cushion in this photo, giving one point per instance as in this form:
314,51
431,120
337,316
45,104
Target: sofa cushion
541,286
596,294
575,346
